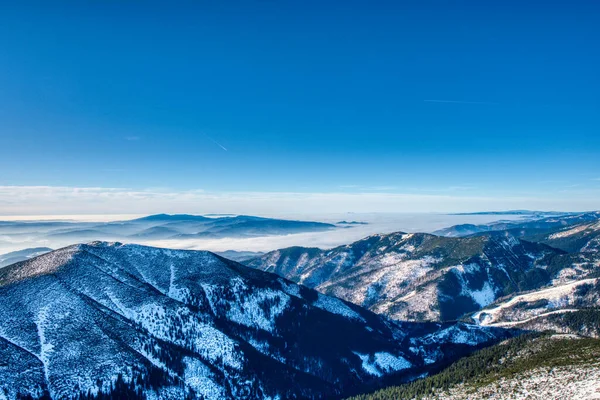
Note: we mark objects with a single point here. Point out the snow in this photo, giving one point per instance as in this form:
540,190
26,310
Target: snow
484,296
249,311
46,348
385,280
421,302
382,362
368,366
199,377
558,296
522,321
558,383
458,334
568,232
290,288
201,337
265,349
248,308
336,306
389,362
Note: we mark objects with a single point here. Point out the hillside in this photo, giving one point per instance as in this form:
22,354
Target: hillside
534,225
127,321
581,238
529,309
420,276
547,366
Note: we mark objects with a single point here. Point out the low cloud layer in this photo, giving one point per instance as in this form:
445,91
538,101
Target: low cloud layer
376,223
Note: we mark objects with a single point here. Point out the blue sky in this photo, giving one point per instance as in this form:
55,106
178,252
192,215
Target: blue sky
496,100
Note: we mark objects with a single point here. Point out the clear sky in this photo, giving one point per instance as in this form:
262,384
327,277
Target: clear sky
373,105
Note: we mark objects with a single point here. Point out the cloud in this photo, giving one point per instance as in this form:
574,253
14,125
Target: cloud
368,188
215,142
132,138
61,200
461,102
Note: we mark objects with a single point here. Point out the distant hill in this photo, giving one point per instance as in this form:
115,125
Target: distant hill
521,228
21,255
239,256
516,212
157,227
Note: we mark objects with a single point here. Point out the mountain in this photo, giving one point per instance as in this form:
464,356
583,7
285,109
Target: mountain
163,218
248,226
155,227
516,212
420,276
239,256
534,366
21,255
581,238
530,310
106,320
522,228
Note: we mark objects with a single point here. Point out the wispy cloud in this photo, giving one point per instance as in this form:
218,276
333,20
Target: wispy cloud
445,189
114,170
384,188
132,138
215,142
461,102
460,187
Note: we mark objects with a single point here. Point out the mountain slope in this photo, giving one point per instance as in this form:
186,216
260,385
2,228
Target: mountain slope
418,276
525,308
581,238
522,228
156,323
534,366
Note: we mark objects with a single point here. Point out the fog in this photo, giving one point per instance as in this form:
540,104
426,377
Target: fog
376,223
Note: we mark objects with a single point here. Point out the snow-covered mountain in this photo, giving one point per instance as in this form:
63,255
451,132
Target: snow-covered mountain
420,276
570,303
137,321
582,238
534,225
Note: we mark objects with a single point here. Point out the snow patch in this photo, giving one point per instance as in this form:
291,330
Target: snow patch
336,306
199,377
382,363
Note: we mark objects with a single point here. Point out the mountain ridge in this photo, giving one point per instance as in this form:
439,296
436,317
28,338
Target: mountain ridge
101,318
384,272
